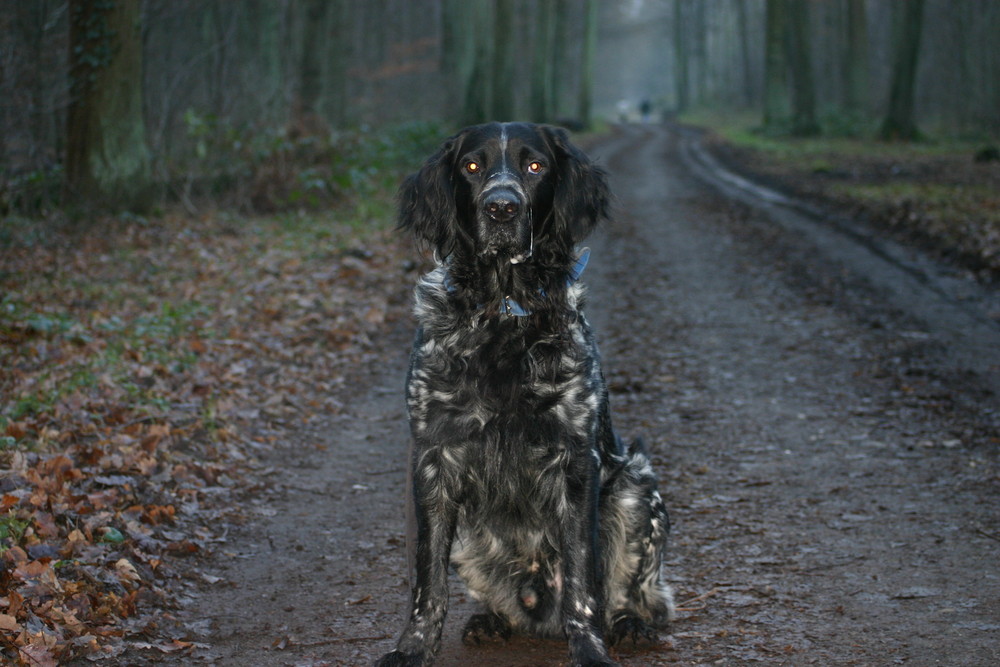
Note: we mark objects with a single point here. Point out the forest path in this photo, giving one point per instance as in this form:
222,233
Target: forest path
828,457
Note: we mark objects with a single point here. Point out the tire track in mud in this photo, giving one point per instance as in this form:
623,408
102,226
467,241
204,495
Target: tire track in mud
834,497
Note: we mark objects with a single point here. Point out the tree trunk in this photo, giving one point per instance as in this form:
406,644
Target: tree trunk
335,88
310,65
856,99
776,103
683,92
559,74
541,67
466,58
585,100
504,90
800,57
478,87
107,161
743,28
899,122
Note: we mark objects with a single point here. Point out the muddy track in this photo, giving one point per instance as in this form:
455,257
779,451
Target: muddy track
827,452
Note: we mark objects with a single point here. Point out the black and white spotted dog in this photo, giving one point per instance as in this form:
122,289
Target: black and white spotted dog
518,479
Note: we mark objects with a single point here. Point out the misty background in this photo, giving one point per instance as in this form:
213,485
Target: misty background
207,85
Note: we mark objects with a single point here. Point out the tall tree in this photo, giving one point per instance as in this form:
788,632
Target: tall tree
856,65
743,30
562,60
776,101
800,58
542,104
681,65
467,59
107,161
478,89
339,53
900,123
585,92
310,80
504,90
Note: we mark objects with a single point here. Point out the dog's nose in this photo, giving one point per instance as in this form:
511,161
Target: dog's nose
501,205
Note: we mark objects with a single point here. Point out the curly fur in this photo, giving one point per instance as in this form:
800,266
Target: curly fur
518,480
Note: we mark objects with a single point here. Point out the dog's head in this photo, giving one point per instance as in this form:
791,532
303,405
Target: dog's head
497,191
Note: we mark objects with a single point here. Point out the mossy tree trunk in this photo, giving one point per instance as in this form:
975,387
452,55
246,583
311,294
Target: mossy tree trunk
310,82
900,123
542,95
683,84
504,44
585,92
777,106
856,64
804,123
107,160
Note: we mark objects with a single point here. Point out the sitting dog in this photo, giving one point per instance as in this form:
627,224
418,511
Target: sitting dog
518,479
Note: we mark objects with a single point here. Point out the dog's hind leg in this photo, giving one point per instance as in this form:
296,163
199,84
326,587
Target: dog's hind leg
634,533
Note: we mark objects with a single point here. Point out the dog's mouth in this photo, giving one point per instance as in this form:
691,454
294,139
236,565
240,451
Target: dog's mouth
502,248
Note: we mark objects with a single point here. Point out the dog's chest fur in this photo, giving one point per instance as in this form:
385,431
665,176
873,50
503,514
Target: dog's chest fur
507,408
502,392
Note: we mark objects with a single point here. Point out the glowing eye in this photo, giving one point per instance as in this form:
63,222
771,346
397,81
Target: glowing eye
472,167
535,167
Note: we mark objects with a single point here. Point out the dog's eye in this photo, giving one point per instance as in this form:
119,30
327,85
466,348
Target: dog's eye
472,167
535,167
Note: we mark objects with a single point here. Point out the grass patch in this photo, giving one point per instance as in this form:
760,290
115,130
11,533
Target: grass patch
932,191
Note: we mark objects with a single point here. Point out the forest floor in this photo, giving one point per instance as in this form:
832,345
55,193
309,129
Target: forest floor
820,401
943,196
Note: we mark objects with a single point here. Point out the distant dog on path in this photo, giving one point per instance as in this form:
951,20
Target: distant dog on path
518,479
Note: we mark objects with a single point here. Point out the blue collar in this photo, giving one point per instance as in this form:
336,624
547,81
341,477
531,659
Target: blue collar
509,306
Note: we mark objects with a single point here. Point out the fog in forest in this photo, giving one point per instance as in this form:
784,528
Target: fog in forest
179,88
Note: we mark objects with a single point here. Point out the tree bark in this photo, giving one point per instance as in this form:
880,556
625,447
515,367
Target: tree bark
899,123
107,161
478,87
856,99
310,63
559,73
683,91
804,122
776,102
743,28
504,90
339,53
541,68
586,94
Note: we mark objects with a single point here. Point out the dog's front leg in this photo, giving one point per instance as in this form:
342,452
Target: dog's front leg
435,516
583,599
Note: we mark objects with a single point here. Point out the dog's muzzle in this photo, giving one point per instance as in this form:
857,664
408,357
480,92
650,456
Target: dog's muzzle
506,221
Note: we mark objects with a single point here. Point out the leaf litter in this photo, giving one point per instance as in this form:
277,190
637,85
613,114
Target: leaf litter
145,367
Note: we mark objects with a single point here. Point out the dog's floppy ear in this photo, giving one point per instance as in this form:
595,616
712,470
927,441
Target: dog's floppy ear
427,204
582,196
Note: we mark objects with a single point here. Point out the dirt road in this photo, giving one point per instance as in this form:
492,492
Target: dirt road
823,418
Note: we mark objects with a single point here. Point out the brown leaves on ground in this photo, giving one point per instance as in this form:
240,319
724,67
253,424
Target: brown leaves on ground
143,366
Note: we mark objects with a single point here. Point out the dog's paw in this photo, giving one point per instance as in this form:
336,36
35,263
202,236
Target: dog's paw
629,626
485,627
400,659
590,652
